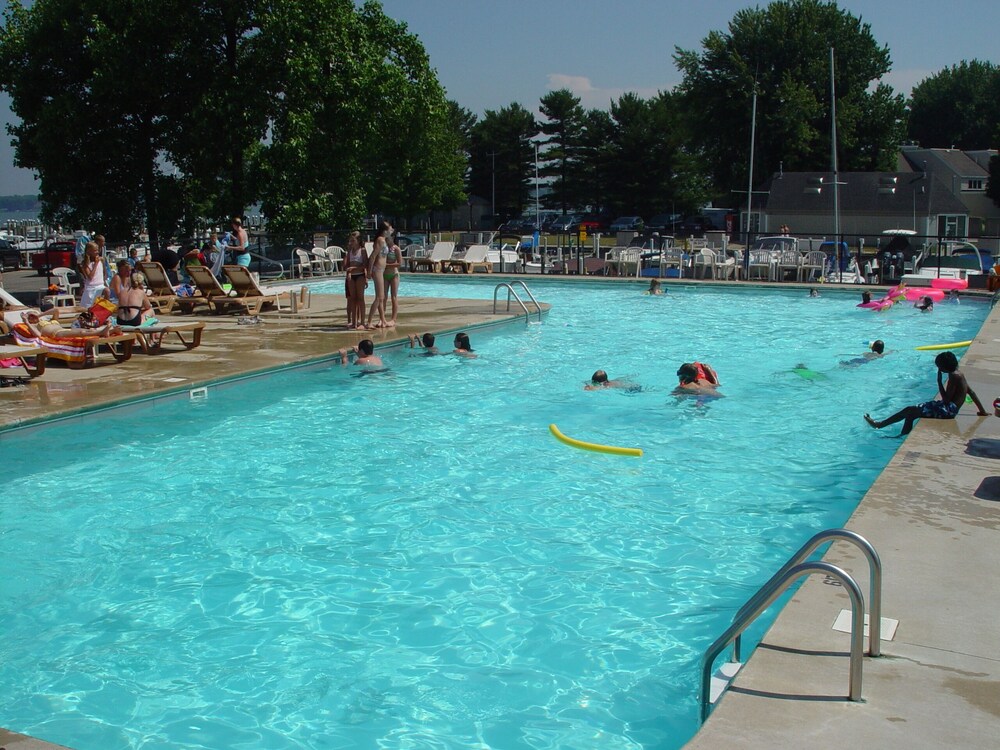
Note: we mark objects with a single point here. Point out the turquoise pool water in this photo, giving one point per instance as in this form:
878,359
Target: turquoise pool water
318,560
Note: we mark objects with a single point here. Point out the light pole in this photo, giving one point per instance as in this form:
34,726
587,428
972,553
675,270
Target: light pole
493,178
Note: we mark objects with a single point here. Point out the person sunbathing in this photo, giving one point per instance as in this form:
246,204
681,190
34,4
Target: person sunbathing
46,326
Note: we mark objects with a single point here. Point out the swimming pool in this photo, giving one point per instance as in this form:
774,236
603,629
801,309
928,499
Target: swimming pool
410,560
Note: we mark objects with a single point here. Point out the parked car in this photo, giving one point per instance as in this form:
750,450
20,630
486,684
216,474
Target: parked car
593,223
627,224
563,224
55,255
695,225
10,256
668,223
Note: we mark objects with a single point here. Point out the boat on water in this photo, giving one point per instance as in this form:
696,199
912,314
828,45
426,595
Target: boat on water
947,259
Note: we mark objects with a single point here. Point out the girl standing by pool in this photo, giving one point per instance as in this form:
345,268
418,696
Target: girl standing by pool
93,275
356,280
376,270
393,262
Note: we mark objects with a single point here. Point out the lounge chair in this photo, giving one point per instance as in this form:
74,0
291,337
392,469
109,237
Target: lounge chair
208,288
78,351
248,294
22,353
162,294
442,251
475,257
151,337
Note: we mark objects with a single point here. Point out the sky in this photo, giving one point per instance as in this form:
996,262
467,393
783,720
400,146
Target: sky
491,53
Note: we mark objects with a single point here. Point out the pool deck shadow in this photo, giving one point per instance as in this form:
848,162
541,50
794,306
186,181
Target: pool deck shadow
932,515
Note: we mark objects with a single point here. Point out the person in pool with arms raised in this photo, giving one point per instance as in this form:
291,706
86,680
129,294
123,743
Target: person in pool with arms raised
364,354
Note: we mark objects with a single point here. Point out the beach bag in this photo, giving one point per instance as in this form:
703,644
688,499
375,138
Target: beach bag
102,309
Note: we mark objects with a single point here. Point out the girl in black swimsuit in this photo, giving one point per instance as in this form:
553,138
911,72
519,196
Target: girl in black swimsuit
133,302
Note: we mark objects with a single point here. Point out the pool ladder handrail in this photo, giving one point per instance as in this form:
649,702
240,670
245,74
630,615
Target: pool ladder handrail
788,574
874,583
512,292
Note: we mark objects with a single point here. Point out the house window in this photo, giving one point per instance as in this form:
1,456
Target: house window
952,225
973,185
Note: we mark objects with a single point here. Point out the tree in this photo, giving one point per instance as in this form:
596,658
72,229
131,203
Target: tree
562,131
957,108
362,124
504,138
596,160
993,183
782,52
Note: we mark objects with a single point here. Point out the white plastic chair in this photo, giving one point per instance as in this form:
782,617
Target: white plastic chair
321,261
304,265
62,274
335,254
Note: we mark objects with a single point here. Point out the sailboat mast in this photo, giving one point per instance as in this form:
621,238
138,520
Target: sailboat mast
833,156
753,133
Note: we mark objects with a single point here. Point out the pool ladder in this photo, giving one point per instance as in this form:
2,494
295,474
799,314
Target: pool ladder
511,292
790,572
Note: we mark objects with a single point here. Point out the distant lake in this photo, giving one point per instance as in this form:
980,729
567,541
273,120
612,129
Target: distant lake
6,216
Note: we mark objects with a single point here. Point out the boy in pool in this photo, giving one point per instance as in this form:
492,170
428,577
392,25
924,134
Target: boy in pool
654,287
600,380
364,354
426,341
952,397
924,304
876,351
697,377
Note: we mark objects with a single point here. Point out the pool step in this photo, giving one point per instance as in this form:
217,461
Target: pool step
724,675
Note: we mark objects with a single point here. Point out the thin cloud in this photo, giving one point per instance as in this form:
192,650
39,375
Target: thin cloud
595,97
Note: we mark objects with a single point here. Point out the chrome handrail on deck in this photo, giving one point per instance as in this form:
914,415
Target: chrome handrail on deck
874,583
765,597
512,293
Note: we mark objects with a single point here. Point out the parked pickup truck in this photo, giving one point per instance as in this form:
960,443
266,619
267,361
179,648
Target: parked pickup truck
55,255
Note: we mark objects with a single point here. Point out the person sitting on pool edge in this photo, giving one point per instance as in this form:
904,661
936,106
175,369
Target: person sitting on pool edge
426,341
697,377
364,354
952,397
463,348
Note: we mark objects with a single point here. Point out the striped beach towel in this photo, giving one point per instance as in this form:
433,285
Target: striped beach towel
69,349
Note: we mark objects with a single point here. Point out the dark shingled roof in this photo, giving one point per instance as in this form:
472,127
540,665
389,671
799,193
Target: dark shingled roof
787,192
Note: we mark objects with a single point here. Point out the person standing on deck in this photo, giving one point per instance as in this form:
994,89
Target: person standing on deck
240,247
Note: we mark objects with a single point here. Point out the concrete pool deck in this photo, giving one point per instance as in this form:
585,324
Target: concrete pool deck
933,516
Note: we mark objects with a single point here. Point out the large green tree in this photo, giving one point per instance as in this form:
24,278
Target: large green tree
503,155
362,125
91,83
562,131
958,107
782,52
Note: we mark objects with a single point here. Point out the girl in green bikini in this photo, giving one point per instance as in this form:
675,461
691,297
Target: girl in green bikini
380,272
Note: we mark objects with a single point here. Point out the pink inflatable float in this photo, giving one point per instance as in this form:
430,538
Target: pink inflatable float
950,283
915,293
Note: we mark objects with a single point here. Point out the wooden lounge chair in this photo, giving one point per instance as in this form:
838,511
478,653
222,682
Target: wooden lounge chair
150,338
441,252
39,353
162,295
209,289
78,351
248,294
475,257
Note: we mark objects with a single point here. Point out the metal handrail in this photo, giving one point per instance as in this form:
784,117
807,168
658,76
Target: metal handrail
775,588
511,292
874,584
